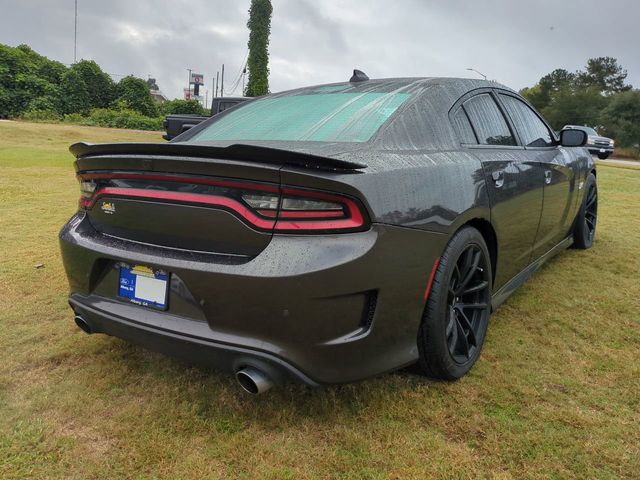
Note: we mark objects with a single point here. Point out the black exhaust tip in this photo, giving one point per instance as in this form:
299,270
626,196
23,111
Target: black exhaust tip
82,324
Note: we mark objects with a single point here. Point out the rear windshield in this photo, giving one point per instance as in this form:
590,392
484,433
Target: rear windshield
323,115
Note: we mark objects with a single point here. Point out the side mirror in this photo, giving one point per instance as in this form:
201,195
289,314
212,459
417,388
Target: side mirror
572,137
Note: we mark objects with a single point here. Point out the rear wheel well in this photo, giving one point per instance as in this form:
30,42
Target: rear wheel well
488,233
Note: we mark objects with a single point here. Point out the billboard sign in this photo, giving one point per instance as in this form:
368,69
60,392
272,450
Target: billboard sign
187,93
197,79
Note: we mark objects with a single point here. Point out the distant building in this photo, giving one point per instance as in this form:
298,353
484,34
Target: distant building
157,95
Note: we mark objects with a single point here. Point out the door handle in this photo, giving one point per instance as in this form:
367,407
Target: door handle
498,178
547,176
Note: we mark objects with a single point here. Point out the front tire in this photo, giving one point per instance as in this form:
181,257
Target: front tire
603,156
584,230
457,312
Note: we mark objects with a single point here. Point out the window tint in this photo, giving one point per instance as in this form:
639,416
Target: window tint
308,116
463,127
533,132
488,121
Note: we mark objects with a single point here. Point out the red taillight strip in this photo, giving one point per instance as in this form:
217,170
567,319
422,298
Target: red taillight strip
180,179
431,277
191,198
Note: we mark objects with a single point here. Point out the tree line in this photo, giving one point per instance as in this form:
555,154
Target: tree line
35,87
597,96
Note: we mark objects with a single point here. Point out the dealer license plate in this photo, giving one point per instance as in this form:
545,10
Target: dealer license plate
144,286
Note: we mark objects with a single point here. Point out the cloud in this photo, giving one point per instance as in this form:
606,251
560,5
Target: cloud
319,41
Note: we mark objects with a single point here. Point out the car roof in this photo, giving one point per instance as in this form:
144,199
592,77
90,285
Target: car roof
404,83
421,123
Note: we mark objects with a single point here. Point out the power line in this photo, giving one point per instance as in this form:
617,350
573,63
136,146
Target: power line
239,76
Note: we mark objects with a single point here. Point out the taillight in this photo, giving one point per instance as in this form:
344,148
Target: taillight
307,210
87,190
262,206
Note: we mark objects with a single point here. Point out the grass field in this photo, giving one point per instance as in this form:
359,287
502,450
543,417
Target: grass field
556,393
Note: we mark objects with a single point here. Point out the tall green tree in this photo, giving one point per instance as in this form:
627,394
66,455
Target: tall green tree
134,93
542,93
622,118
605,74
74,94
258,61
24,77
578,107
100,87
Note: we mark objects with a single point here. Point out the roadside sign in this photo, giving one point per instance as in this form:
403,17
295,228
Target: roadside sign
197,79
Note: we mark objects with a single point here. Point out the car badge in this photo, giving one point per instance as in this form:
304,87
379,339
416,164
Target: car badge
108,207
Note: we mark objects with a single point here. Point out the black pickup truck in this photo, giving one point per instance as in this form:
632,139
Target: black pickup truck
179,123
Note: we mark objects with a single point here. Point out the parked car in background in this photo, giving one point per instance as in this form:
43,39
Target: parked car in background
330,233
180,123
596,144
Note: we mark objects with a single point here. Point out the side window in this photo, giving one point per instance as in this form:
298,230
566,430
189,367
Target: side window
532,131
488,121
224,105
463,128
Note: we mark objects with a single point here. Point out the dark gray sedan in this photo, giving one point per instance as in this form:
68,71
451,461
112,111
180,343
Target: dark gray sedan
330,233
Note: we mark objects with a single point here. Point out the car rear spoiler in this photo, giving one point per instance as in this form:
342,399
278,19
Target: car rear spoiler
232,152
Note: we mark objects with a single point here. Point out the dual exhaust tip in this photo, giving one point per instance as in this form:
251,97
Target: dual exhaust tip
251,379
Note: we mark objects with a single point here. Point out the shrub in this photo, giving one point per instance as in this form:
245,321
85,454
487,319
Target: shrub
123,118
74,118
41,116
182,107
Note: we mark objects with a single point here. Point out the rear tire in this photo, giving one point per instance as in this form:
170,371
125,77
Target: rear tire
603,156
457,312
584,230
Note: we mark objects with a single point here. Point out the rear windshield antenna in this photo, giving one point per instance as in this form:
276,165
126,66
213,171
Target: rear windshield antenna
358,76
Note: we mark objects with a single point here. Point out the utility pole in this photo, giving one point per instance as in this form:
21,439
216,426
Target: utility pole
217,81
222,85
75,32
189,83
244,74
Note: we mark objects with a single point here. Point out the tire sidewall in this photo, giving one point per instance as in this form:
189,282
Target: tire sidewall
582,239
433,328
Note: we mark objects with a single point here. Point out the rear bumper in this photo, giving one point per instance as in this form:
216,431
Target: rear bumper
178,343
315,309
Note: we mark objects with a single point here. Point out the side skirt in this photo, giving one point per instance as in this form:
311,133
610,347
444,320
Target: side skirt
512,285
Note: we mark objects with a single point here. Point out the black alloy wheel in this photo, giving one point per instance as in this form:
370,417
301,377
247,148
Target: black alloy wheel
457,311
584,230
468,299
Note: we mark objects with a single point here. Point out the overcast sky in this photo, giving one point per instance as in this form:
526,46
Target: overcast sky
321,41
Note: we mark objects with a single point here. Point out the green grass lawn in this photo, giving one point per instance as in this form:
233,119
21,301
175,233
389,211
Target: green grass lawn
556,393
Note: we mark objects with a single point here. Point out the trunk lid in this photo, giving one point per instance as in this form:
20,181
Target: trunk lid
186,196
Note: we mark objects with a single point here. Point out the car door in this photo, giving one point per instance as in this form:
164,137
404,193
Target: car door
559,165
514,184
